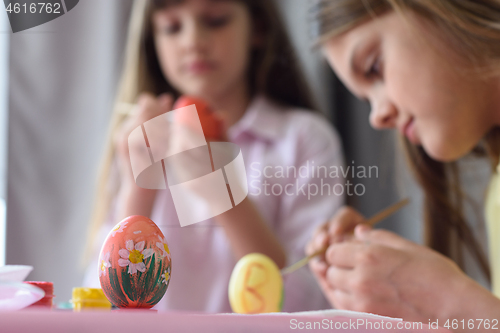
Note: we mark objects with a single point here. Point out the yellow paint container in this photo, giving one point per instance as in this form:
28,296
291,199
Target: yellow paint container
89,299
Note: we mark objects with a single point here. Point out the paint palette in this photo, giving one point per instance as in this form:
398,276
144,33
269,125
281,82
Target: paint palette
135,264
256,285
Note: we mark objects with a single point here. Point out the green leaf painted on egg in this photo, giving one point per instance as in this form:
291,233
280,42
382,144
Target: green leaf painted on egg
280,307
115,295
126,285
145,283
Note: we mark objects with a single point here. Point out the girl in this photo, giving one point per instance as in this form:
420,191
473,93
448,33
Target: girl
234,55
431,70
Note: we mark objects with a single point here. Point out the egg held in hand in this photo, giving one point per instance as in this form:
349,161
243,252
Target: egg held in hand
210,123
256,285
135,264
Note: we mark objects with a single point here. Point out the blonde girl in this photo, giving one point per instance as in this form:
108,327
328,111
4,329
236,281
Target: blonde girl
235,55
431,70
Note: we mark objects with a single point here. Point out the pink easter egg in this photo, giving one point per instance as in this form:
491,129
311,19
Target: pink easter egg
135,264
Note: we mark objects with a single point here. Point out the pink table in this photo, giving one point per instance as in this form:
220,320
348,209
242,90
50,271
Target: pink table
151,322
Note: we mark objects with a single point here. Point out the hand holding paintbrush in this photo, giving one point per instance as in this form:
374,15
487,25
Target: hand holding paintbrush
370,222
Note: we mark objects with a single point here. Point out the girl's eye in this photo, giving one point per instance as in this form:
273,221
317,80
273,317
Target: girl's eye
375,69
172,28
217,22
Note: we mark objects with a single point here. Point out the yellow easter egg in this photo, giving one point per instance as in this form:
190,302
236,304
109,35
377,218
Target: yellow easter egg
256,285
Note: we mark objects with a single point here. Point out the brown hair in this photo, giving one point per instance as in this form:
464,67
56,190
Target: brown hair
472,29
273,71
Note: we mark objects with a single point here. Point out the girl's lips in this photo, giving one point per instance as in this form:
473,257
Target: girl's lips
410,132
200,67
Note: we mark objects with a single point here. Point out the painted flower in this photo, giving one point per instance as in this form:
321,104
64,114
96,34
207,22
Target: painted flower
166,275
104,263
118,228
133,256
163,247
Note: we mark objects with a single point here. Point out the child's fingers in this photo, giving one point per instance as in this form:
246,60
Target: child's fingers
318,266
309,249
345,255
321,228
341,299
344,223
365,233
150,106
339,278
318,241
166,102
319,271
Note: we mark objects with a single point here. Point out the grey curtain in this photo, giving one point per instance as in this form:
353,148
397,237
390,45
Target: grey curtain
62,83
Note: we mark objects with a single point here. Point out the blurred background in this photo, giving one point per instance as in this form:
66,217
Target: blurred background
57,85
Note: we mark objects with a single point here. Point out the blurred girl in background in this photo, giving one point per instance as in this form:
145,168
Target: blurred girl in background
236,56
430,69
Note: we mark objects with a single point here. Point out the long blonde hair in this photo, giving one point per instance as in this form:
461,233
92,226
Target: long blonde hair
471,28
273,71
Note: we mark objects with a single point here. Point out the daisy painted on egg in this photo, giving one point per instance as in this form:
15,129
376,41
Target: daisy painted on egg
163,246
133,256
166,276
104,263
118,228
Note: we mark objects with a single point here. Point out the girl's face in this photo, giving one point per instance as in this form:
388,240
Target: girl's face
411,86
203,46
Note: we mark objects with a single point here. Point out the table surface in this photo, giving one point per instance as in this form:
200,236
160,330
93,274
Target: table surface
146,321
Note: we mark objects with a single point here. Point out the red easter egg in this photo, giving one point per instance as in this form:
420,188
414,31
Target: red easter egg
135,264
212,126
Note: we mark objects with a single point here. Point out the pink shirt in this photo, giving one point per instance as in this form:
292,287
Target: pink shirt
282,149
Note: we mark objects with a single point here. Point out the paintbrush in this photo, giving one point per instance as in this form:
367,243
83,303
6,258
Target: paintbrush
371,222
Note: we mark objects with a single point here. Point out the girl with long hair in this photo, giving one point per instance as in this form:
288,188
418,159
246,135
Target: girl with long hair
431,70
234,55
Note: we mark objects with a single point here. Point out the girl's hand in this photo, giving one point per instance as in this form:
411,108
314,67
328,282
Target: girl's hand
339,228
380,272
148,107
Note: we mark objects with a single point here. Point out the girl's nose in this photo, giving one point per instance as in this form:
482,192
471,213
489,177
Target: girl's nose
383,115
195,36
